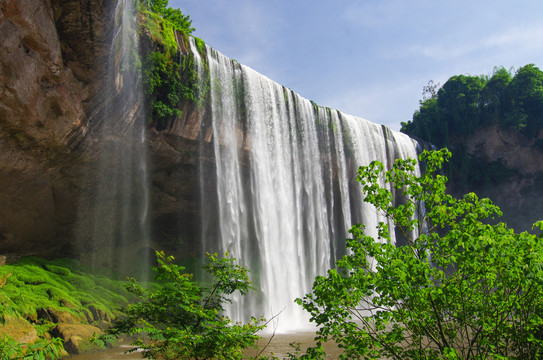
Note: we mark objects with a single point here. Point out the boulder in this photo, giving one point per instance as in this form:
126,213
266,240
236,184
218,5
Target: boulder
76,337
19,329
99,314
57,316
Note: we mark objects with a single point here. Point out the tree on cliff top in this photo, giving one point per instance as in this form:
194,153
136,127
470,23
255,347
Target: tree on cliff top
460,289
465,103
174,16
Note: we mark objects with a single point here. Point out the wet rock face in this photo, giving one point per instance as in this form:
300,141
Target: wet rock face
517,193
38,93
53,69
43,106
518,153
84,28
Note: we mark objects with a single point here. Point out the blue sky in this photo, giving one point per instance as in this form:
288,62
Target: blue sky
370,58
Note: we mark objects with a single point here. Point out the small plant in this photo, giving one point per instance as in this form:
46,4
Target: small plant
200,44
42,349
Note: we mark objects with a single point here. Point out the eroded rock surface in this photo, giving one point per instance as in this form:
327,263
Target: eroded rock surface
48,81
518,184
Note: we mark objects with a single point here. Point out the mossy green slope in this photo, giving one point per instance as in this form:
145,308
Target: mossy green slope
60,285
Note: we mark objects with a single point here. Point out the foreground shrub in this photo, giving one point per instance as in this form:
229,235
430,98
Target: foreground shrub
182,319
461,288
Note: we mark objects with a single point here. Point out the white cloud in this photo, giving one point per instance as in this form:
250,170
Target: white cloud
508,40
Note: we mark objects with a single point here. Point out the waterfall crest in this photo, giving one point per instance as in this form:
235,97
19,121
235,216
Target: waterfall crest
282,192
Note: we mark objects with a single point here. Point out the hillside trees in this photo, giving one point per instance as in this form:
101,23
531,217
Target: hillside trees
464,103
495,96
490,124
526,96
460,98
460,289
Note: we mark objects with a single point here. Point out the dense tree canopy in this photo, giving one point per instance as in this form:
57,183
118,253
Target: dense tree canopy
465,102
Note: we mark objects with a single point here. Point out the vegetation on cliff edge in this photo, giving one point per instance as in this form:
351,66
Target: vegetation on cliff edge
169,77
510,102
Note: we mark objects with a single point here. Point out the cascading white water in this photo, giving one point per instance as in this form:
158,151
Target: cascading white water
285,185
113,226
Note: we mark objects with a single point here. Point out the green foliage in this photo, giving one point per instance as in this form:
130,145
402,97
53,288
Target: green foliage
62,284
459,289
10,348
495,95
158,6
427,123
460,95
161,31
200,45
465,103
526,96
162,82
169,78
182,319
175,17
40,350
163,22
178,20
169,81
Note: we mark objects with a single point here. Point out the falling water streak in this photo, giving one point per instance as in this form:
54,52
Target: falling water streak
113,229
285,185
342,177
199,67
137,175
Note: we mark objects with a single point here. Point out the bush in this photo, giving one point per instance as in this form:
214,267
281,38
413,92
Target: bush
182,319
41,349
459,289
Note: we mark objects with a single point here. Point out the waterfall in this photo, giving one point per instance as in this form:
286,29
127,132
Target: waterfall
283,192
113,230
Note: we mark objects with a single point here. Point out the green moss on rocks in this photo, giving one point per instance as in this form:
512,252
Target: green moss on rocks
60,285
160,30
40,299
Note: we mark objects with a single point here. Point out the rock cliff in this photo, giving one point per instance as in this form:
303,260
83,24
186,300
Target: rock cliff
53,72
43,104
505,167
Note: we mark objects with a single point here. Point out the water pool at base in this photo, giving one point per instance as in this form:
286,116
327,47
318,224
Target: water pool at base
278,346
